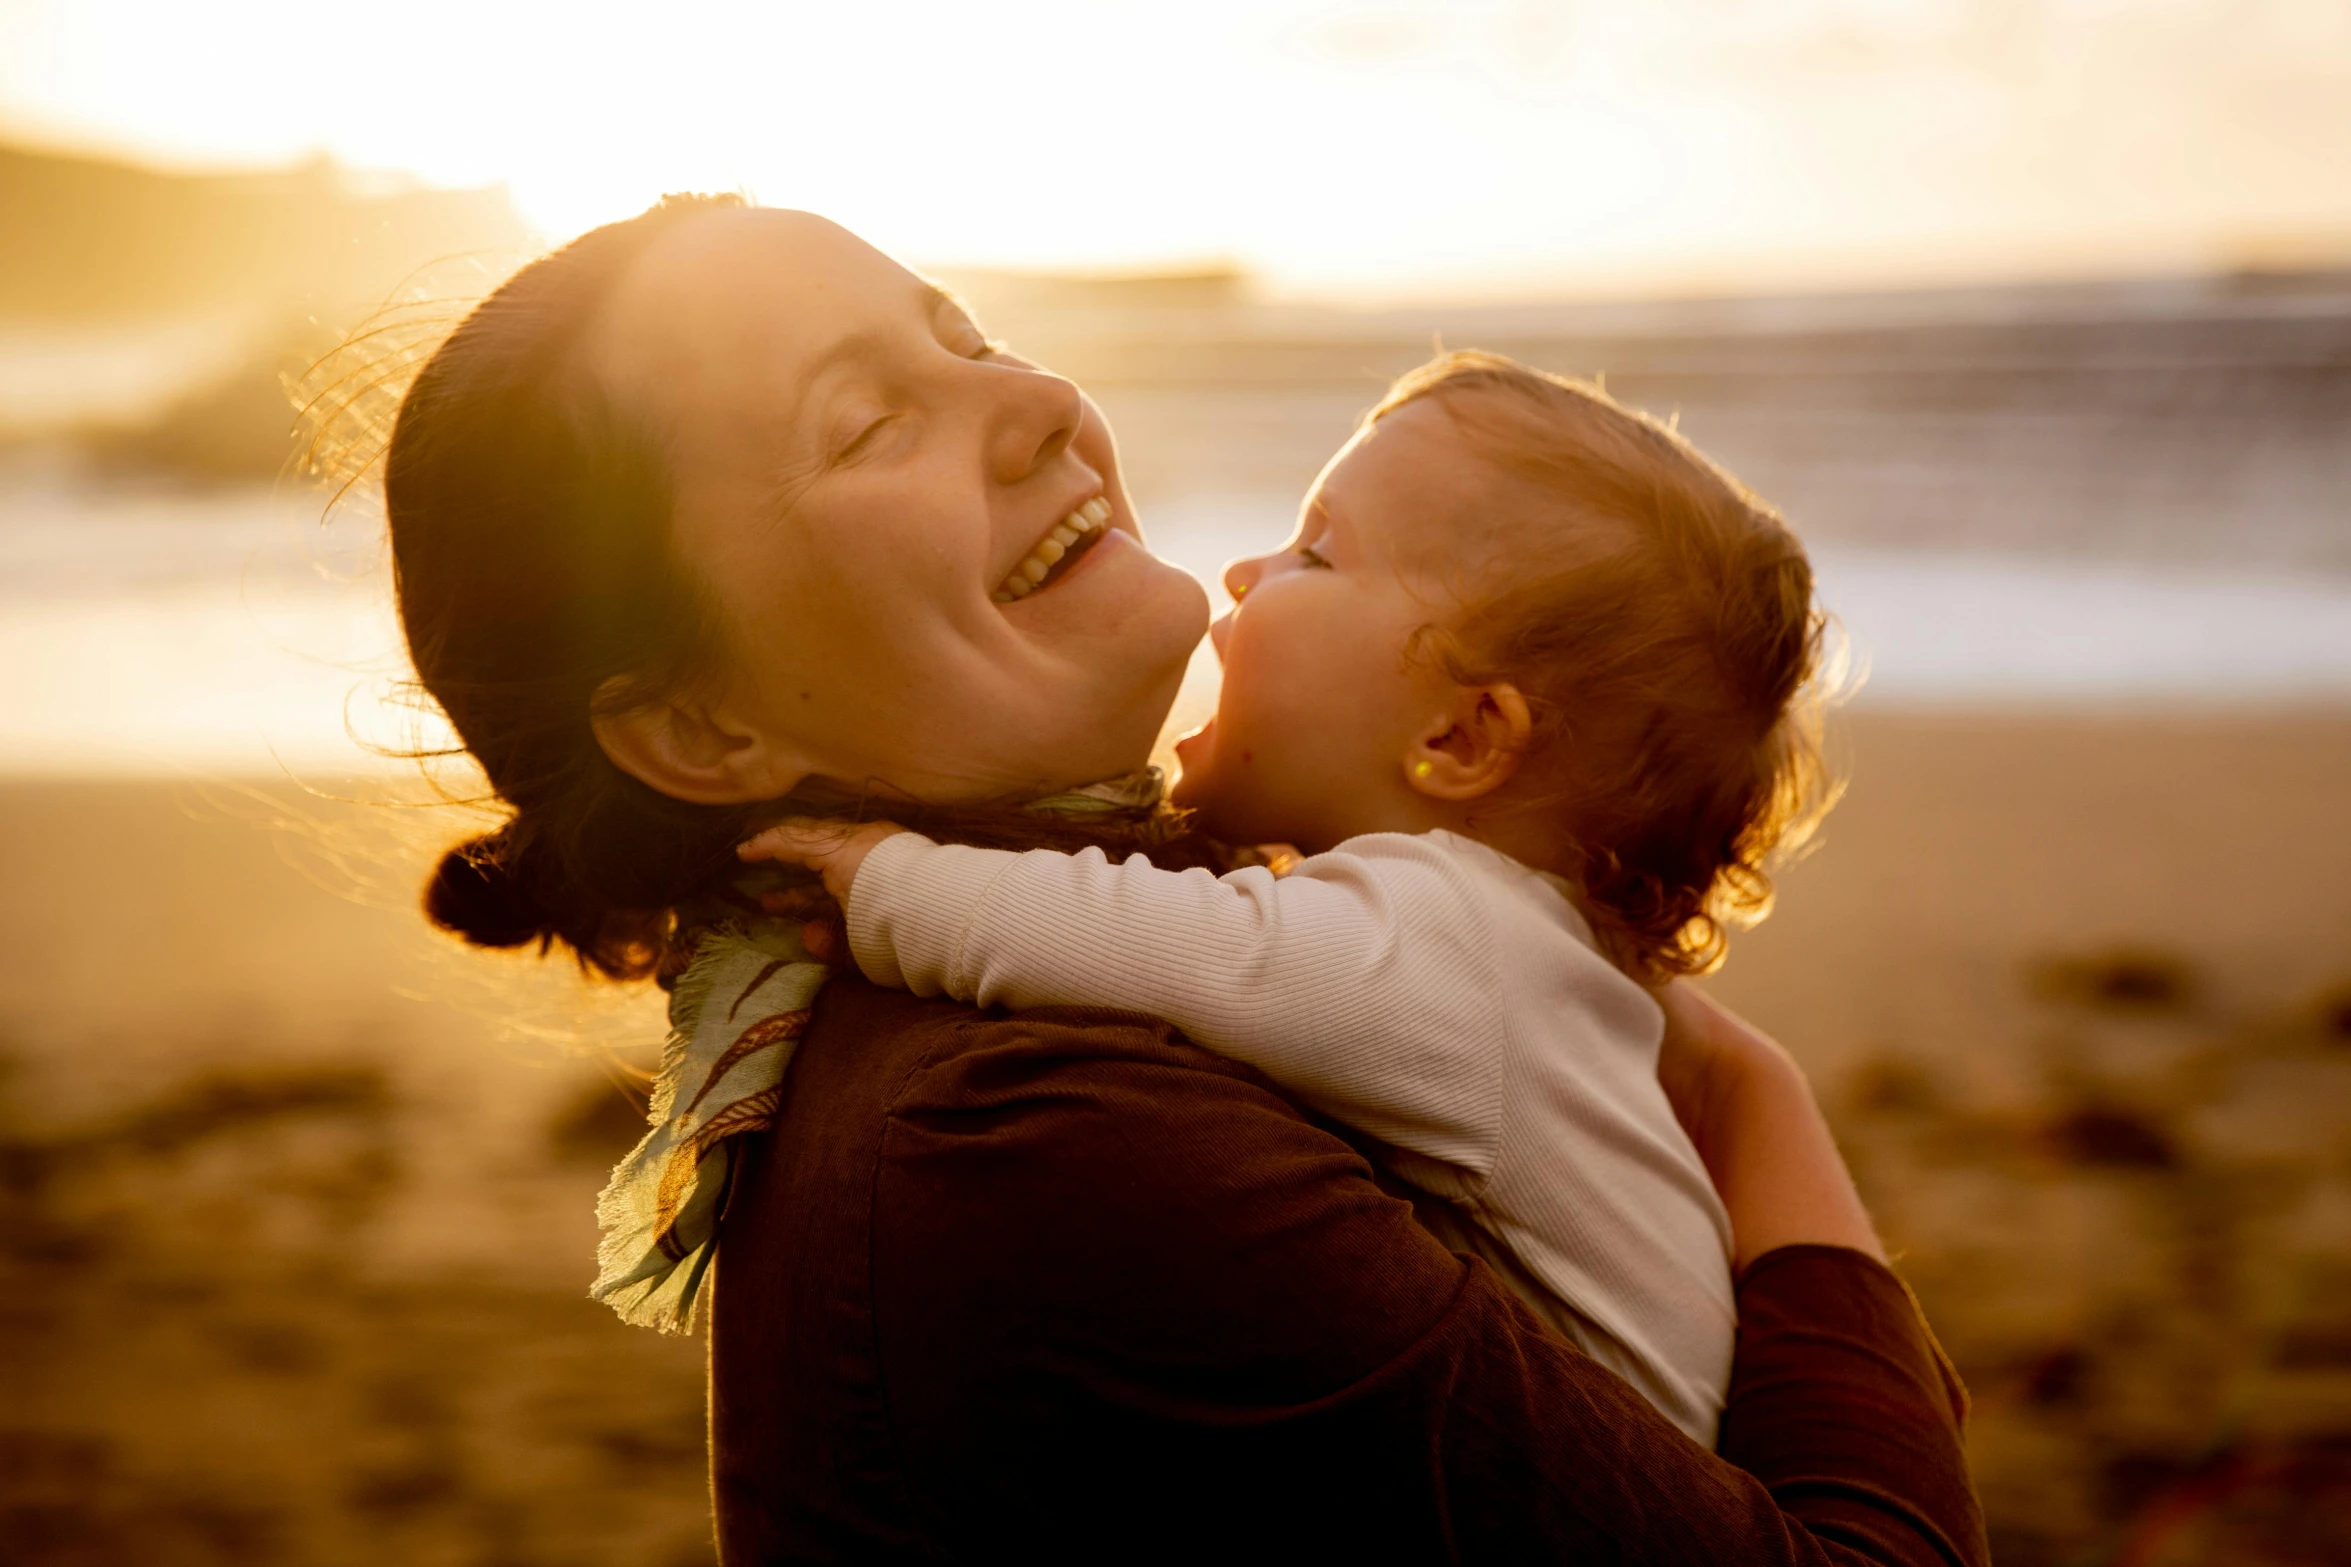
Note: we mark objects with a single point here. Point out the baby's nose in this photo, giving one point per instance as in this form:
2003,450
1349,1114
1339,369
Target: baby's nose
1241,575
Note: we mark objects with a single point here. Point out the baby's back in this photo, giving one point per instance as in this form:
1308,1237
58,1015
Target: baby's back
1605,1218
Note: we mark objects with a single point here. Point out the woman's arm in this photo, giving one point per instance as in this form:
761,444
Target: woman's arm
1117,1280
1813,1373
1748,1107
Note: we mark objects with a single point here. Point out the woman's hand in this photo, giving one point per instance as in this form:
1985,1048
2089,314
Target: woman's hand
1747,1106
834,850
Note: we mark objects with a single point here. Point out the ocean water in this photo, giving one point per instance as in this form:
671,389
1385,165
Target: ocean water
155,629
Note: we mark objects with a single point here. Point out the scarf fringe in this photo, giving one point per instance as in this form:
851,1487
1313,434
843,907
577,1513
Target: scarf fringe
659,1212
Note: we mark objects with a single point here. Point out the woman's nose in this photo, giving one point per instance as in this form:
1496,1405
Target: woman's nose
1037,416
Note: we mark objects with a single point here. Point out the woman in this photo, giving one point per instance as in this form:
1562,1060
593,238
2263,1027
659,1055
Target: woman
709,515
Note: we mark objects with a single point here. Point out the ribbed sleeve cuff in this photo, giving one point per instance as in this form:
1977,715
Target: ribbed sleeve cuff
910,906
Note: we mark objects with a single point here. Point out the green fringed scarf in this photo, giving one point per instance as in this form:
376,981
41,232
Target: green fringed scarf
735,1017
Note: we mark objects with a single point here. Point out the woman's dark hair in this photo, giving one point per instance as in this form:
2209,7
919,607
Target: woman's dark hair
531,553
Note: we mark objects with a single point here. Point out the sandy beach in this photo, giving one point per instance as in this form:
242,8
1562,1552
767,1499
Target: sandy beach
300,1194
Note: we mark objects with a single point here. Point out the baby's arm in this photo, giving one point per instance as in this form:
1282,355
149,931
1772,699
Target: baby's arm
1357,981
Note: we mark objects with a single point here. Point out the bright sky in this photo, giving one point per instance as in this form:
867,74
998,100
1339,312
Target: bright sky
1369,146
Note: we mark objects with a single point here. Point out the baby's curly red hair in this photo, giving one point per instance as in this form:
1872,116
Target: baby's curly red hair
1659,619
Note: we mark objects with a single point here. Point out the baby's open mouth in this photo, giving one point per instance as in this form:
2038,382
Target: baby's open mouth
1056,552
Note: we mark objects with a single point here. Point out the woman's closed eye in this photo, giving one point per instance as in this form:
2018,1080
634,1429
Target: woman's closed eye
968,340
960,336
1312,558
863,441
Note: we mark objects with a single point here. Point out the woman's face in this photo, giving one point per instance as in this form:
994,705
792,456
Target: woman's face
859,478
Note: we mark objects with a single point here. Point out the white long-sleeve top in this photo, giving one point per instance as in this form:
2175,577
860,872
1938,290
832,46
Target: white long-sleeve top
1427,990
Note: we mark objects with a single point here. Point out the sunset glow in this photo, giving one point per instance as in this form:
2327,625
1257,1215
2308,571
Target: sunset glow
1350,148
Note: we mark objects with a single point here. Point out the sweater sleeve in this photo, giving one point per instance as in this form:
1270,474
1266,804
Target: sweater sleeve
1845,1406
1113,1288
1359,982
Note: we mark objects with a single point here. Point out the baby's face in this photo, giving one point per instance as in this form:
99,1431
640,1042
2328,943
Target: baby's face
1320,702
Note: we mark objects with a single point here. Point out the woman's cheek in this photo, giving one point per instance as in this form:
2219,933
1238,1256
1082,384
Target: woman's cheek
1096,447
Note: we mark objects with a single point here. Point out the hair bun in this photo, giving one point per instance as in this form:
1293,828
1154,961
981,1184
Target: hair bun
475,893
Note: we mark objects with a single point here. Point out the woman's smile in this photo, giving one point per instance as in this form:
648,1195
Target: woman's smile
1085,591
1056,553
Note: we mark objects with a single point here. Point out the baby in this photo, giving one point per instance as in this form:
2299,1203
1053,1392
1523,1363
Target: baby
1526,690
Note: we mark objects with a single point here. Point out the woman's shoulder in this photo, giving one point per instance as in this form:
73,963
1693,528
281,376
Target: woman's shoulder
1097,1166
1119,1110
881,1073
934,1055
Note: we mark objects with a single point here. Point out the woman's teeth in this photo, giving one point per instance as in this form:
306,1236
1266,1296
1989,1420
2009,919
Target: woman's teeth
1074,529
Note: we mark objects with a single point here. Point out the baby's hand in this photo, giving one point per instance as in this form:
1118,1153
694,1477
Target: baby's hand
833,850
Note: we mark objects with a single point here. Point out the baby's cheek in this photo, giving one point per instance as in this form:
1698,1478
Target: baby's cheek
1274,661
1268,708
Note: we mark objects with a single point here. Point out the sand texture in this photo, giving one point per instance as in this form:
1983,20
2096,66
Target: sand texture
297,1195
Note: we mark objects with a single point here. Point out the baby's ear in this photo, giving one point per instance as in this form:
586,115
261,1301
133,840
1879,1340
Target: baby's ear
1475,748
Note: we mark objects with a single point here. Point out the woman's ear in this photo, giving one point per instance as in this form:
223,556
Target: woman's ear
695,751
1475,748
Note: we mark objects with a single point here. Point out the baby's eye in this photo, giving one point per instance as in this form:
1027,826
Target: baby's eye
1313,558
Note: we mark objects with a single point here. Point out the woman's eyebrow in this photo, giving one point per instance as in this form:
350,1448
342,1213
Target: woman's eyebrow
865,347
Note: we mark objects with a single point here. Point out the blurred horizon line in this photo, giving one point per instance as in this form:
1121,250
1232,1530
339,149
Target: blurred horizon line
1959,262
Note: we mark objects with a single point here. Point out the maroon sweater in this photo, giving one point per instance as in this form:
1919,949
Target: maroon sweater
1063,1286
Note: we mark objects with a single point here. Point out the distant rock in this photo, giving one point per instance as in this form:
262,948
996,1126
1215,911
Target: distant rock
91,239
